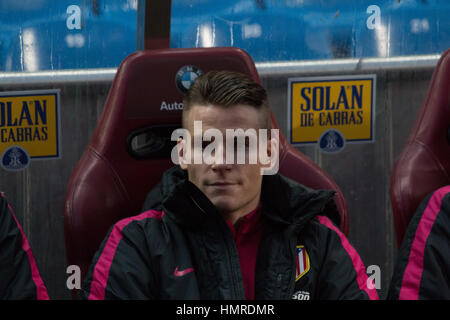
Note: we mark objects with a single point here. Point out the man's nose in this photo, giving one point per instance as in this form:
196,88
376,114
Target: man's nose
221,166
219,159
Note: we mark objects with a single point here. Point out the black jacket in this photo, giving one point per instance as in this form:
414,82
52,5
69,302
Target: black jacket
19,275
181,229
422,270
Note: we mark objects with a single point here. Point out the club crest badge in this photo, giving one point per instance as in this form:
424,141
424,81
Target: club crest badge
302,262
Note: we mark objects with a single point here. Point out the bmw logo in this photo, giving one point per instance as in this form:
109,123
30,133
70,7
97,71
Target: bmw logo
186,76
331,141
15,158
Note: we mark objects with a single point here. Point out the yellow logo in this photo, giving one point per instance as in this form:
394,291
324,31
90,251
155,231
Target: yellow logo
319,104
30,119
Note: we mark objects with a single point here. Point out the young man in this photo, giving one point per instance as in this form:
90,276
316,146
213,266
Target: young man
19,275
221,230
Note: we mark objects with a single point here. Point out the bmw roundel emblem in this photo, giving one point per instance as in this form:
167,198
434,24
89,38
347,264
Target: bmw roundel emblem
186,76
15,158
331,141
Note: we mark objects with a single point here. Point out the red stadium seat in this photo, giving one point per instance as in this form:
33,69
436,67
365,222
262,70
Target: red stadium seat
424,164
109,183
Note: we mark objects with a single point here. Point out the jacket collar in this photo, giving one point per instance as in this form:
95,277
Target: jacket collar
284,201
289,202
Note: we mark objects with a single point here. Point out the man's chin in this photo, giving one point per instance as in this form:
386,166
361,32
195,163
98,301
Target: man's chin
224,204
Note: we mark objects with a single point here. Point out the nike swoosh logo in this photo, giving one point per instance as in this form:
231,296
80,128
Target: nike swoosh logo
181,273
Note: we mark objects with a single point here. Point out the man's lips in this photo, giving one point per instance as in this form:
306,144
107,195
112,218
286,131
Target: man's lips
221,184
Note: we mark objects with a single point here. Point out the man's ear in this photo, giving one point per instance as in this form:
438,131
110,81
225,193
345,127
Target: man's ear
183,153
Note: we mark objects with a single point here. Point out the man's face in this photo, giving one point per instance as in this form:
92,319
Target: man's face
232,188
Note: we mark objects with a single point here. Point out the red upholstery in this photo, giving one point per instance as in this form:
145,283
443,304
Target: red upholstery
424,164
108,184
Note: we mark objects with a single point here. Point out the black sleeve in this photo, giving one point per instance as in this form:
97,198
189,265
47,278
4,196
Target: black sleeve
19,275
423,263
121,268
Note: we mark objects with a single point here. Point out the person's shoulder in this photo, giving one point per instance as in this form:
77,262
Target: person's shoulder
146,222
320,231
3,200
7,217
442,191
435,204
431,216
147,216
325,225
440,199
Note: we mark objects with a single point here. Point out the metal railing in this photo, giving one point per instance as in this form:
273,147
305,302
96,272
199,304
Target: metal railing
265,69
287,68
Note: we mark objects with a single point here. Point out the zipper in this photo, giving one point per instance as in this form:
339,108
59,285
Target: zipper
237,294
238,291
234,274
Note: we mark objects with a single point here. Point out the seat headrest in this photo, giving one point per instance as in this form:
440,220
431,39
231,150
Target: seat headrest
424,163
